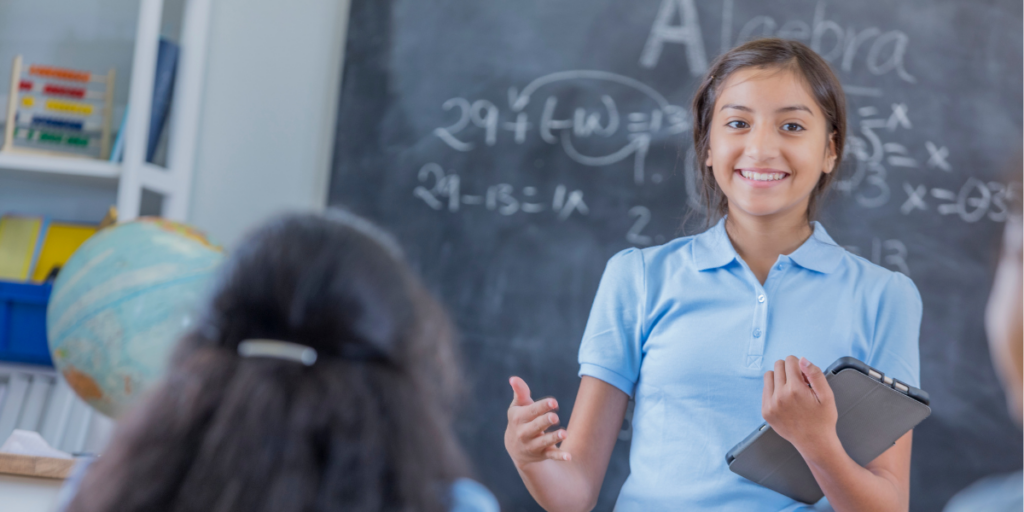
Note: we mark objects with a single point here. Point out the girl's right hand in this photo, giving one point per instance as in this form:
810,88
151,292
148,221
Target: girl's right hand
525,437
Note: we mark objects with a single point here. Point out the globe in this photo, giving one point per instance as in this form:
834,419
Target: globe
121,302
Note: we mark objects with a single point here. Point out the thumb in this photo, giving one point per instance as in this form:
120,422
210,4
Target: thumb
520,392
817,380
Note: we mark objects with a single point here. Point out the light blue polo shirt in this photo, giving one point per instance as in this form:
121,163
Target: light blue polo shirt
687,330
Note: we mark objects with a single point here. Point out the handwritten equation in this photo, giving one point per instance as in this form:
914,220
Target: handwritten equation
482,121
974,201
445,192
877,155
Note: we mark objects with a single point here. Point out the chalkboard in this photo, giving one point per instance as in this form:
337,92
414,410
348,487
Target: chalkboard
513,147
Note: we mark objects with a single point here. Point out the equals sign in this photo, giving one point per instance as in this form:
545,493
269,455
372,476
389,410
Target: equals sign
638,121
898,160
948,195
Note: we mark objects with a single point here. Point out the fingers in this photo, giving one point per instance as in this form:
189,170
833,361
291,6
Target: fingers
780,374
546,441
556,454
525,438
769,387
520,392
530,412
793,375
523,409
817,380
539,425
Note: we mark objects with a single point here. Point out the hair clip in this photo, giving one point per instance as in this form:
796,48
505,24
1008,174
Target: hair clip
277,350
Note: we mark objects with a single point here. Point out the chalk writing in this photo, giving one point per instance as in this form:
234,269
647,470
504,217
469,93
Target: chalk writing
871,153
974,201
577,123
937,156
687,33
881,52
599,119
891,254
643,216
444,191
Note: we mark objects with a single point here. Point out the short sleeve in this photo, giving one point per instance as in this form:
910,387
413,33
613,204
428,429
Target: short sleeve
470,496
896,351
611,346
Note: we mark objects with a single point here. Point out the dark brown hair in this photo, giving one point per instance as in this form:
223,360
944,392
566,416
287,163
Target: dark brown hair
765,54
367,427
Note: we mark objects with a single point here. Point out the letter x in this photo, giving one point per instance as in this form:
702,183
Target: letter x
937,156
898,117
915,198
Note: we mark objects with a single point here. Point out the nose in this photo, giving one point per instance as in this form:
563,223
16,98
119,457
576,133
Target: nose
762,144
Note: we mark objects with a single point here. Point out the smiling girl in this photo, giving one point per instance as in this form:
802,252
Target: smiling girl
711,333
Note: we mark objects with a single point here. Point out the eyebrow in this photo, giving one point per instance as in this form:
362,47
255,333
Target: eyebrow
790,108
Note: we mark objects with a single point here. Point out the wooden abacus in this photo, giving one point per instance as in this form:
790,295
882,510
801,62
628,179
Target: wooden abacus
59,109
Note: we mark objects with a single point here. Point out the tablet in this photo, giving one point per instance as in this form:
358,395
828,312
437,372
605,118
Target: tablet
874,411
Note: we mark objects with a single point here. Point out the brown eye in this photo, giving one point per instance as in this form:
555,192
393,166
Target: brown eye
792,127
733,124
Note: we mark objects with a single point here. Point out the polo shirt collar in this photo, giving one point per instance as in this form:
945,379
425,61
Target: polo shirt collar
819,253
712,249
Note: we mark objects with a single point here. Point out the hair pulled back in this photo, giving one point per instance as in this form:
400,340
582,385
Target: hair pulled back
231,434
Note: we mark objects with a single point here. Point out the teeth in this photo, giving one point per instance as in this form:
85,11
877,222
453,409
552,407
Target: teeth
759,176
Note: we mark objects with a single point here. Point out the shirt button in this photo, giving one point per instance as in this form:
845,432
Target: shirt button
760,298
757,332
779,266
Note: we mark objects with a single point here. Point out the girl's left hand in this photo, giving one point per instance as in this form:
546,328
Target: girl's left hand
798,404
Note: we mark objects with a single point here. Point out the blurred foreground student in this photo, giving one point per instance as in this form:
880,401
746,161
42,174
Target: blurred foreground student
1004,324
322,378
713,332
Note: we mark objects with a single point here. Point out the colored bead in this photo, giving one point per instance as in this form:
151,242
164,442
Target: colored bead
61,73
60,90
70,107
57,123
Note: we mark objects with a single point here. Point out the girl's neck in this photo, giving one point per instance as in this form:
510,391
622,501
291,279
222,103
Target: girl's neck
759,240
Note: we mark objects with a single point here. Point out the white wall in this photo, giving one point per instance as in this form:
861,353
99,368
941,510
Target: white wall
266,133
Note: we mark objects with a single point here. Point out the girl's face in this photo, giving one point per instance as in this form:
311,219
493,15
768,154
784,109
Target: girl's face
769,142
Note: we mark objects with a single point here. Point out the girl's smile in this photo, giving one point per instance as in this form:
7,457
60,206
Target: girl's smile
761,177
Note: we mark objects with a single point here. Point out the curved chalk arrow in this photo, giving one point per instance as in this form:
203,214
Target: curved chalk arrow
639,146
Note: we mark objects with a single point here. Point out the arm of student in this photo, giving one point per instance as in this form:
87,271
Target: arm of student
882,485
574,484
799,404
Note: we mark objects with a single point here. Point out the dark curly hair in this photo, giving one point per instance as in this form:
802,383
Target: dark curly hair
766,53
231,434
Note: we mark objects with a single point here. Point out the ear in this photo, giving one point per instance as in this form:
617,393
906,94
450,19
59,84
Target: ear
707,161
830,154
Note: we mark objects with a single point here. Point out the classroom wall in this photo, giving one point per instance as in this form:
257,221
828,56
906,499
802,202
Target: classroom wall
267,123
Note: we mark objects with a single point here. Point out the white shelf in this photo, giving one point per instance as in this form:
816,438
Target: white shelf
133,174
68,166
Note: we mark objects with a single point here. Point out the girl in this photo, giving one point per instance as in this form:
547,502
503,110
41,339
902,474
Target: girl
688,329
322,378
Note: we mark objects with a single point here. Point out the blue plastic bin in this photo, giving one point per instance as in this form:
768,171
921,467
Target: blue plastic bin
23,323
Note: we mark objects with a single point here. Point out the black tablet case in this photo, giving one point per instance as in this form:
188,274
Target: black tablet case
873,414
